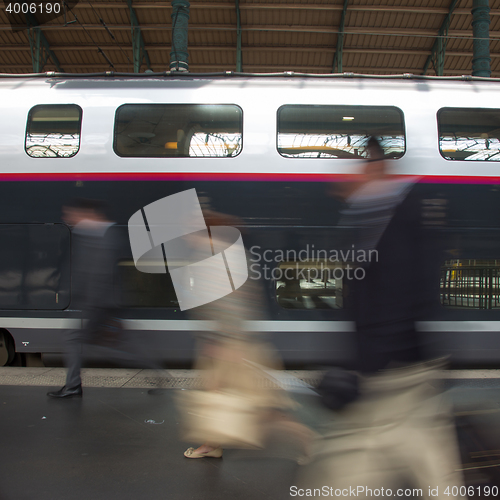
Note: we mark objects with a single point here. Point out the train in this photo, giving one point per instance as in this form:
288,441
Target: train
266,149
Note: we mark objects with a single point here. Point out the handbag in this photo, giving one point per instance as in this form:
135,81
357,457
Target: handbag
338,388
226,418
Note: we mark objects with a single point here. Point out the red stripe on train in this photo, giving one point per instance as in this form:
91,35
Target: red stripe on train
228,176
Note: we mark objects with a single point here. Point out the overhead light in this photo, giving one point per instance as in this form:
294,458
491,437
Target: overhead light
347,118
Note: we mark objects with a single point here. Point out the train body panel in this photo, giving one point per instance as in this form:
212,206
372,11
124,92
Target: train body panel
260,100
281,198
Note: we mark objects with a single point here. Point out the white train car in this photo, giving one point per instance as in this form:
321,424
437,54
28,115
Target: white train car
266,150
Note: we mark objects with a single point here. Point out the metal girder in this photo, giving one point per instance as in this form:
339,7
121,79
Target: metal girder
138,46
337,58
352,30
40,48
439,48
239,67
278,50
481,60
204,5
179,57
250,68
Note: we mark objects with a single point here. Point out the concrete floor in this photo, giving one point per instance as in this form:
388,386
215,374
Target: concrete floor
119,442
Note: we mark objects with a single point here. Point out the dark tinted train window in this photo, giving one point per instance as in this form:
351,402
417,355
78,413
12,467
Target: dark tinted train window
469,134
471,284
137,289
178,130
34,266
309,285
53,131
338,131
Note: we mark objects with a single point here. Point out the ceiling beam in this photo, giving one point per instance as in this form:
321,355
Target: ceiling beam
124,67
438,51
337,58
138,47
213,48
290,6
39,46
179,55
238,38
481,62
406,32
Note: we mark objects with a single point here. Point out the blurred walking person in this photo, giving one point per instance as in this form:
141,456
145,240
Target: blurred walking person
95,252
236,408
397,431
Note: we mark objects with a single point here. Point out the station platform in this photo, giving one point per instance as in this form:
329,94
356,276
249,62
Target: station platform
119,441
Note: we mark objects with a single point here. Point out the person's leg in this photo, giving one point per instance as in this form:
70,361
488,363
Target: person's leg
73,358
431,447
75,342
73,361
121,346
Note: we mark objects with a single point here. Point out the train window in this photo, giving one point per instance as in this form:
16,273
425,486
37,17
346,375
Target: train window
306,131
309,285
137,289
34,266
469,133
53,131
178,130
470,284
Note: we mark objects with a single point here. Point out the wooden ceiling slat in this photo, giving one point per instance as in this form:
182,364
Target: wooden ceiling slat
407,32
380,37
287,6
206,48
250,68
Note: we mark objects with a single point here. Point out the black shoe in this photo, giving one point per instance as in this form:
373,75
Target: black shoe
157,391
67,393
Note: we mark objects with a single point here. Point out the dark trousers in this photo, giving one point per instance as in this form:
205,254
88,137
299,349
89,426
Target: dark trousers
85,342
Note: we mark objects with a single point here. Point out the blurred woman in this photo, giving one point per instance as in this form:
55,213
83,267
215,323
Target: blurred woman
238,407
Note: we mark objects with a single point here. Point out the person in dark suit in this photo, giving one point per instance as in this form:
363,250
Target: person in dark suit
95,252
396,429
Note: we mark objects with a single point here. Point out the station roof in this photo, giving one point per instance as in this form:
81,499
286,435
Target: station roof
379,36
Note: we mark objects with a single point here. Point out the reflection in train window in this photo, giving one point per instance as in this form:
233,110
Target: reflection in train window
178,130
53,131
469,134
309,285
137,289
339,131
470,284
34,266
